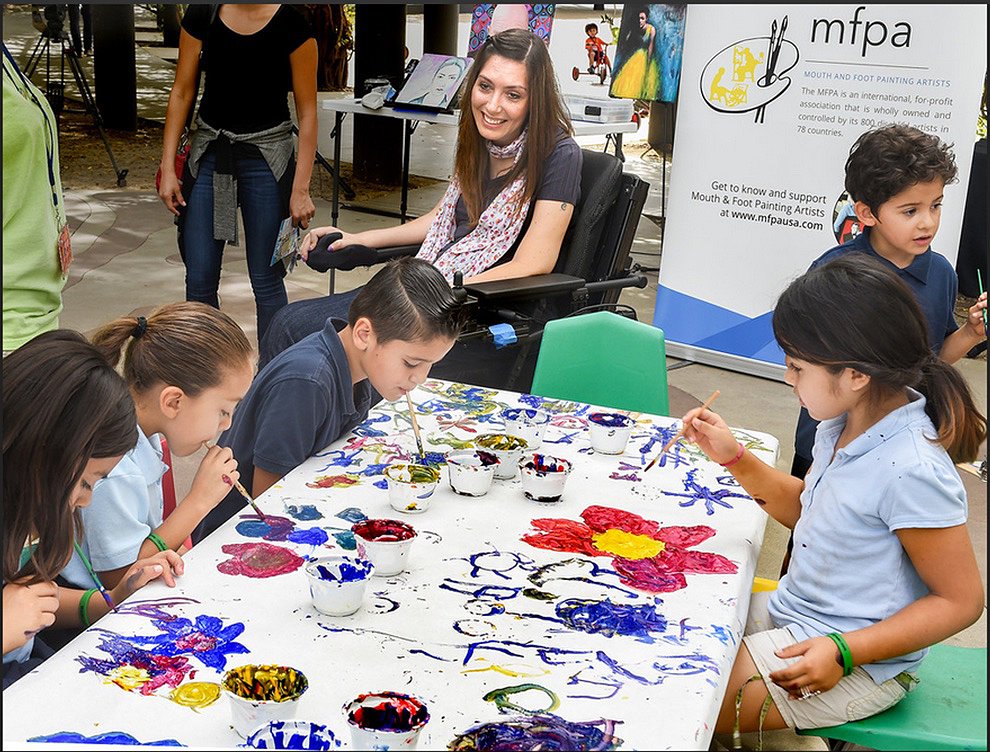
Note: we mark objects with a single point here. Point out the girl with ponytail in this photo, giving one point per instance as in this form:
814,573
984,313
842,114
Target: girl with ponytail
882,565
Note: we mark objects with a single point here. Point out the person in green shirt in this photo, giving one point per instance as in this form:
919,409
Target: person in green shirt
36,252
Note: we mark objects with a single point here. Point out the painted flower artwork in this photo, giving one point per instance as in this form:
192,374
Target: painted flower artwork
646,555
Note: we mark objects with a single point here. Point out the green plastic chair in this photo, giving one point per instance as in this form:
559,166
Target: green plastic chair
947,710
603,359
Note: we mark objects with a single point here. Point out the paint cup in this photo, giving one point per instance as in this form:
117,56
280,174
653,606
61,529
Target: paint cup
543,476
292,735
528,423
610,432
262,693
337,583
386,543
385,720
507,448
470,471
411,487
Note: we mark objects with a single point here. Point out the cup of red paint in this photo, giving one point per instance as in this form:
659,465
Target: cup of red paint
262,693
386,543
385,720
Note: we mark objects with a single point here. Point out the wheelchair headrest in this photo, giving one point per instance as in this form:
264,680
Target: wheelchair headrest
601,181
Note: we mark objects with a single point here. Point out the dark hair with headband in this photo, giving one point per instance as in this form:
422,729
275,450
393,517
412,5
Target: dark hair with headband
63,405
855,313
409,300
547,118
189,345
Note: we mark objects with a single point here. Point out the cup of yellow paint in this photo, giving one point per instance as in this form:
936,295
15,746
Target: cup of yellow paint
411,487
259,693
507,448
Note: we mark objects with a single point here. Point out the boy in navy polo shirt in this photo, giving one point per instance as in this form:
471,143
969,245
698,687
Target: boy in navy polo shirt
312,393
896,175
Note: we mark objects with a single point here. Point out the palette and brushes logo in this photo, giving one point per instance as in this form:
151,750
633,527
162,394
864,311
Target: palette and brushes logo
749,74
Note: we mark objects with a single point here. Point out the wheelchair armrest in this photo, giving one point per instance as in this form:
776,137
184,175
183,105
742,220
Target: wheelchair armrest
322,259
539,286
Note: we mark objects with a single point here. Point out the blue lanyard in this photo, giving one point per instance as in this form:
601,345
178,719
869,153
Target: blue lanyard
50,141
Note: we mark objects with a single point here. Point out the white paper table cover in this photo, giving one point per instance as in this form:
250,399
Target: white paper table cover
456,626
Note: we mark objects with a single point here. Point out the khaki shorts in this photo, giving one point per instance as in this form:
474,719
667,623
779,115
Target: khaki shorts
855,696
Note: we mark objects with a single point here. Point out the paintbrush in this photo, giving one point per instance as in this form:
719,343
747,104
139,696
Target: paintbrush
96,578
979,281
679,434
415,426
240,489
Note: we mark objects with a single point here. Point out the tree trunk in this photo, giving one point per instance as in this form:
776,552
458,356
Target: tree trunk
334,41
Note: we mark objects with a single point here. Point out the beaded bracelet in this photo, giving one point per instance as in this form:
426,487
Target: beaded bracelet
734,460
84,606
844,652
157,540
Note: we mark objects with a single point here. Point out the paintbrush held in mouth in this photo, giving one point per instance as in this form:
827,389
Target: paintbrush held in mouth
679,434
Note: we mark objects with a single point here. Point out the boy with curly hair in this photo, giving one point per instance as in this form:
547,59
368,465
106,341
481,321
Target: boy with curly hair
896,175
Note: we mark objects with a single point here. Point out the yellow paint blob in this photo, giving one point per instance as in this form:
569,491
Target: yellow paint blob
196,694
626,545
516,671
128,677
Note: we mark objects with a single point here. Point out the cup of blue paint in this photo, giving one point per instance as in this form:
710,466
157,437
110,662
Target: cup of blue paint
337,583
610,432
411,486
543,476
529,423
292,735
386,543
262,693
507,448
470,471
385,720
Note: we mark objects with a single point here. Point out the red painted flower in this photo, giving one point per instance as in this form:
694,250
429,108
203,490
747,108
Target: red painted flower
646,556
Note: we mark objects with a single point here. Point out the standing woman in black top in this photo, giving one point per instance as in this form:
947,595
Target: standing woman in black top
241,150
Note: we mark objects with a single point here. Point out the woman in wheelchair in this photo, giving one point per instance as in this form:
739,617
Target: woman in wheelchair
517,175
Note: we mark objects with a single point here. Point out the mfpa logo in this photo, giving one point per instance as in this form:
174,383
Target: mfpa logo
748,75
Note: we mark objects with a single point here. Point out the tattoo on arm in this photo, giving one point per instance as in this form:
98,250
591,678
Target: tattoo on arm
563,206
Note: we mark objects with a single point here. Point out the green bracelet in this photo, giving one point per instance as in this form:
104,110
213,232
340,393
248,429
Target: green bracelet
844,652
157,540
84,606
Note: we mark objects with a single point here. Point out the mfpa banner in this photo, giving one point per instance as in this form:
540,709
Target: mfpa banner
771,99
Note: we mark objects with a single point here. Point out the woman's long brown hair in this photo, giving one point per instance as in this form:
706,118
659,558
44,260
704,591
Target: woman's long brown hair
547,117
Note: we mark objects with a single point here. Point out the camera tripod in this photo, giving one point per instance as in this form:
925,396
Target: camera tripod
55,90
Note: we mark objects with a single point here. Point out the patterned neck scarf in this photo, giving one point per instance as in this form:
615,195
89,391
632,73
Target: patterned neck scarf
496,231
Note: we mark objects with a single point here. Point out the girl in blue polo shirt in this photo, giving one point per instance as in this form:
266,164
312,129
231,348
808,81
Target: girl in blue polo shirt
187,365
882,565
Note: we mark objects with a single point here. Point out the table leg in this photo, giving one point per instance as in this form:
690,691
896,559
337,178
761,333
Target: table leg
403,205
338,127
618,147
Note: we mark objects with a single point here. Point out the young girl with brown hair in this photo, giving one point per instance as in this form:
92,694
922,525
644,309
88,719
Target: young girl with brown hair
187,365
67,419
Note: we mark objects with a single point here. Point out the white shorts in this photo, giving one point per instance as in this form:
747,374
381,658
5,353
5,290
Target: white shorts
855,696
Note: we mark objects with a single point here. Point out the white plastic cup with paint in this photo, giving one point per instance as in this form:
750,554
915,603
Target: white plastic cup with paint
337,583
386,720
543,477
470,471
411,487
305,735
529,423
507,448
259,693
610,432
386,543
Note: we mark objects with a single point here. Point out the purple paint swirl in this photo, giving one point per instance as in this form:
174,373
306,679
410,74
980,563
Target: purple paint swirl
543,731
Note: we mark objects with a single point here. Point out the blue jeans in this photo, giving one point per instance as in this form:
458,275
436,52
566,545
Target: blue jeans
300,319
264,204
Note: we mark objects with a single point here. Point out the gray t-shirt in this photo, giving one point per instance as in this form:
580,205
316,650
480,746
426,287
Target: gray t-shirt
561,181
